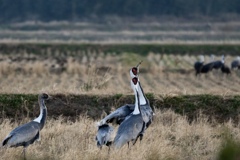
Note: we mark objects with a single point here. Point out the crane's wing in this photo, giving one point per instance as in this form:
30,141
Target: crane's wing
118,115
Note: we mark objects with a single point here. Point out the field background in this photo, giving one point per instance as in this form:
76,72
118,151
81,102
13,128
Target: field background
104,68
127,31
85,67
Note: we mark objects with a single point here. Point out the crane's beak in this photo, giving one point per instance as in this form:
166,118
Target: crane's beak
139,64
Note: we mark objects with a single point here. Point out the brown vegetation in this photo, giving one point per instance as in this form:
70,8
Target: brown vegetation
106,73
169,137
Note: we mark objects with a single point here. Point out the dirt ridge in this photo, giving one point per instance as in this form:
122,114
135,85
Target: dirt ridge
215,107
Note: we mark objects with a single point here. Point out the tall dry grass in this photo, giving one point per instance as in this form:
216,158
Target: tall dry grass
170,136
97,73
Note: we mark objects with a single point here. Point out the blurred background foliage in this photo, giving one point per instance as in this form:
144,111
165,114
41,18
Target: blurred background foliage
71,10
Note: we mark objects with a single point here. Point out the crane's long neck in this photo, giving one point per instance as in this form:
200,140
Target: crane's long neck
136,109
142,97
43,113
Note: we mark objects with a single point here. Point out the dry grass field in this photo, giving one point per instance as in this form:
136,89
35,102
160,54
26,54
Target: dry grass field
108,73
93,72
169,137
65,68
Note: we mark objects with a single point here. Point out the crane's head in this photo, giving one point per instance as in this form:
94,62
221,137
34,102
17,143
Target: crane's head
134,83
135,80
44,96
134,70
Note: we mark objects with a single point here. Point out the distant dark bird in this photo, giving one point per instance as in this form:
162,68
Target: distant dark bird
104,135
218,64
207,68
211,65
225,69
198,65
236,63
28,133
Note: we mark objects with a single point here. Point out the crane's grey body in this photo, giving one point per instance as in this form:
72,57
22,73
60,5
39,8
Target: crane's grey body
129,130
104,135
28,133
23,135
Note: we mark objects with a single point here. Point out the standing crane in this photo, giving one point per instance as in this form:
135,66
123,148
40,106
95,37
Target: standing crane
28,133
133,125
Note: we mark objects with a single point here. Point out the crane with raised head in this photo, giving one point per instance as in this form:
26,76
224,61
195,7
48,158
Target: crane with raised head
146,110
124,111
133,125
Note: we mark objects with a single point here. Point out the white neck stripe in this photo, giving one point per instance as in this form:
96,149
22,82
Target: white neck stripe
42,106
136,109
142,98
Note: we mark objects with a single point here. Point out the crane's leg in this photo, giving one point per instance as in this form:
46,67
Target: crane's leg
24,153
109,143
135,140
141,137
108,149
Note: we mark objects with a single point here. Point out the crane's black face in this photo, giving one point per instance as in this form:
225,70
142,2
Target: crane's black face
135,70
45,96
135,80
